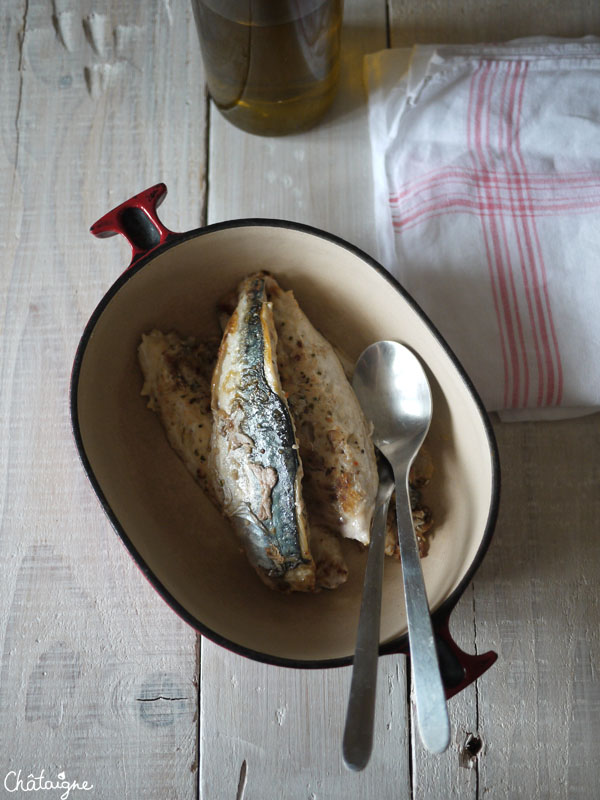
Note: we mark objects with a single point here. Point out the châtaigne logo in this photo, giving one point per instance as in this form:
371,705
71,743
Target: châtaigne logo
17,782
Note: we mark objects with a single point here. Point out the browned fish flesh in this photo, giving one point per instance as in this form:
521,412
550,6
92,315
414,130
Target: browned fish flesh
177,381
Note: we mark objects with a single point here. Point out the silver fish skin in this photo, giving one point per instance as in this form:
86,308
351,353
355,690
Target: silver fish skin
254,450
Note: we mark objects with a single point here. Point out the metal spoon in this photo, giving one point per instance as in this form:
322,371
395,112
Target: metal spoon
358,732
394,393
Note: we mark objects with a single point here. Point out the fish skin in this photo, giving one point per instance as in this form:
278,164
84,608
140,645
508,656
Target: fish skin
254,449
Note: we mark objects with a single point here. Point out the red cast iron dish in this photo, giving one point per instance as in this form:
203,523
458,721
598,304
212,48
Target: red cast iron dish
179,540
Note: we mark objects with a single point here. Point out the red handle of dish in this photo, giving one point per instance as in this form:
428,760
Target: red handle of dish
137,220
459,669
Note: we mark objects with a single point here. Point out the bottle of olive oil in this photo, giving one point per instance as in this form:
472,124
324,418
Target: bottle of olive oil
271,65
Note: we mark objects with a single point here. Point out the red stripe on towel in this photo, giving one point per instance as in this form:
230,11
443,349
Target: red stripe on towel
496,244
553,389
539,182
521,389
507,134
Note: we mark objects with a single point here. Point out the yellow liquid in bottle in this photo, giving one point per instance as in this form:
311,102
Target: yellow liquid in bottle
271,65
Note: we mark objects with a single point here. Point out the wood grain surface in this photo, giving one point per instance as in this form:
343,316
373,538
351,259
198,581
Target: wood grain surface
99,679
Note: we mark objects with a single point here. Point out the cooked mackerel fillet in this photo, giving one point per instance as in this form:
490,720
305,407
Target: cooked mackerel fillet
254,451
340,470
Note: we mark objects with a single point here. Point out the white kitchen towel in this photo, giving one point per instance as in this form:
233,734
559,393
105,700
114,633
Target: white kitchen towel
486,163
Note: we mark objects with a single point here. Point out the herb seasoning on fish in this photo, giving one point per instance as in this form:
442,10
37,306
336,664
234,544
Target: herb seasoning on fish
333,434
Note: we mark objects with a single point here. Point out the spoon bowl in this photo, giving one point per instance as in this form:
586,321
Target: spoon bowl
395,396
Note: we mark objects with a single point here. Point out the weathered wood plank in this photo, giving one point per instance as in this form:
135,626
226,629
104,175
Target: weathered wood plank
537,599
98,677
277,732
321,178
443,21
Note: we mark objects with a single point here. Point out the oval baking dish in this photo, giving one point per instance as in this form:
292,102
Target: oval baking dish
178,538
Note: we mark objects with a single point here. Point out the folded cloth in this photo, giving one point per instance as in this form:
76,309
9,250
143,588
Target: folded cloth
486,163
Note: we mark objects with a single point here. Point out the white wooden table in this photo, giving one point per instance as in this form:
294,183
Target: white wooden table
99,680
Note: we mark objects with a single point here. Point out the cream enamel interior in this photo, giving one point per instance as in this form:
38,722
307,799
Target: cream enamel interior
184,541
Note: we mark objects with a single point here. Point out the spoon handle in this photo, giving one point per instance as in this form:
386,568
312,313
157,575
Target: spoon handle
430,698
358,731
